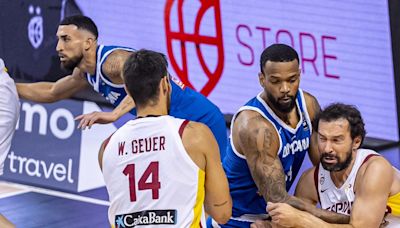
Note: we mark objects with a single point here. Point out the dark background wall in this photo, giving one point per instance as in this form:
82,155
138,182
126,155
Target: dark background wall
28,40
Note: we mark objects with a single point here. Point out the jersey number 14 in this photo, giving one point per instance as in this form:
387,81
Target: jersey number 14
154,185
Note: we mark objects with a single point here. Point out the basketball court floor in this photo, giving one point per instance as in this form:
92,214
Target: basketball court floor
31,207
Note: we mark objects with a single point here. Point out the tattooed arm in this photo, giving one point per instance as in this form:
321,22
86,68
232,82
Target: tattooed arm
257,139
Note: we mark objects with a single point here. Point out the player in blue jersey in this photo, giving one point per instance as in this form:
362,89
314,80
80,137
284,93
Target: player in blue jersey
100,67
270,136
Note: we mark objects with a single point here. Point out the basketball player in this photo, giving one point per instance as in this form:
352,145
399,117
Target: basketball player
349,180
158,169
100,66
9,114
270,136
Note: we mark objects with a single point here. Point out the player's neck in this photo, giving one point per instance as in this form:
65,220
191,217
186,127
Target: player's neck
88,63
156,110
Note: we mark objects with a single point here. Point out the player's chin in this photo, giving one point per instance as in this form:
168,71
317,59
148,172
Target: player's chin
285,106
67,65
330,166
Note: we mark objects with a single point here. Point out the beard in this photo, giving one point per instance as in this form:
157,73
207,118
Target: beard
284,107
71,63
339,166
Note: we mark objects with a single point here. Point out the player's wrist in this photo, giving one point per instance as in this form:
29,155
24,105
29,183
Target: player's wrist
115,115
305,219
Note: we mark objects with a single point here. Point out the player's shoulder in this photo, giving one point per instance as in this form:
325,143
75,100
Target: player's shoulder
377,164
117,56
312,104
309,98
375,171
197,137
194,131
251,120
374,166
113,64
251,128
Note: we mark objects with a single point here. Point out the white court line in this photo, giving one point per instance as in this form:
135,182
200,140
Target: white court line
9,190
61,194
18,192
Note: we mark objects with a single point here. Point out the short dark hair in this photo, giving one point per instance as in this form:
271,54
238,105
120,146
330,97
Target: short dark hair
82,22
142,73
337,111
278,53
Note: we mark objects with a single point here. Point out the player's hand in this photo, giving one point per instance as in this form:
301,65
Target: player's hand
87,120
283,214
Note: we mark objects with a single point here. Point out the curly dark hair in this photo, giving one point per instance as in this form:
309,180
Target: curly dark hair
337,111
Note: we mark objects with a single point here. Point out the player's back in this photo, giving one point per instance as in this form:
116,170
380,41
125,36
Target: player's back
150,178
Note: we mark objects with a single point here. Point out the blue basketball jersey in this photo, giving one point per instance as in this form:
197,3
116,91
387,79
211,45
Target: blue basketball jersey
248,204
185,102
100,82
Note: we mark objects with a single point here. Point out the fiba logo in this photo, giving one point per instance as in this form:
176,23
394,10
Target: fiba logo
204,40
35,26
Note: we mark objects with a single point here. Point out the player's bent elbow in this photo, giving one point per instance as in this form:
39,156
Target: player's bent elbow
222,218
223,214
51,97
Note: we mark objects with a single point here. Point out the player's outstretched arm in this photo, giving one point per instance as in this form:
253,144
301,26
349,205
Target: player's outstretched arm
202,147
47,92
87,120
